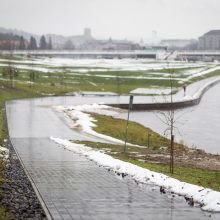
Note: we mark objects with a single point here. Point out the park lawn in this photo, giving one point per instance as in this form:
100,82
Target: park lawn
70,82
70,78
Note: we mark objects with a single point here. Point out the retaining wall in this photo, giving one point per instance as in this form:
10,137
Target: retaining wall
167,105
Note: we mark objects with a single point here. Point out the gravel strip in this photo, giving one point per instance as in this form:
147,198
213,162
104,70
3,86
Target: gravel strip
18,195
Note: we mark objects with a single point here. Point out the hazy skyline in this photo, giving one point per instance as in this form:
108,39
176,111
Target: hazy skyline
131,19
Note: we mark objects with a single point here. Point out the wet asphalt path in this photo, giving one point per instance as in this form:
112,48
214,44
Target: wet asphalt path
71,186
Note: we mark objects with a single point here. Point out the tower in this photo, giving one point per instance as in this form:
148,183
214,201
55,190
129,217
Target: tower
87,33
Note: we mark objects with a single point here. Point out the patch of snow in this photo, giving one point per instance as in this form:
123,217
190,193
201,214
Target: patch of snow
202,73
92,83
209,199
86,93
29,67
193,71
164,77
105,64
4,152
151,91
83,121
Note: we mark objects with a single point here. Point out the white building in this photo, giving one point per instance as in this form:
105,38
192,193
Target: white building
210,41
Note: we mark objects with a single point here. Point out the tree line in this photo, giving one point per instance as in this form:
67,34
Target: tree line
43,44
15,42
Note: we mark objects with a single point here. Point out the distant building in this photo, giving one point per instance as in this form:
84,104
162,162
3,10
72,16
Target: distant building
87,33
178,43
76,41
210,41
111,45
9,41
9,44
86,41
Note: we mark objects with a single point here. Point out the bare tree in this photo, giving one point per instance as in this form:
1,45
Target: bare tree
169,119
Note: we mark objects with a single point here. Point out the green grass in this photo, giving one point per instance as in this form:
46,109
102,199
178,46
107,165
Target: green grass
137,134
201,177
83,82
4,215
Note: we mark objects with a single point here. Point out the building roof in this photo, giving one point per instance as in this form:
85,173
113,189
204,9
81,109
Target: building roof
213,32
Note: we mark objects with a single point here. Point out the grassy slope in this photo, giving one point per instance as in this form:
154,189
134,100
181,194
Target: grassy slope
5,215
137,134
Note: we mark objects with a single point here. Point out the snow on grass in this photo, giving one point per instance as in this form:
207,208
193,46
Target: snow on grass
92,93
4,153
82,120
209,199
205,72
29,67
163,77
84,66
193,73
88,67
120,64
92,83
151,91
105,64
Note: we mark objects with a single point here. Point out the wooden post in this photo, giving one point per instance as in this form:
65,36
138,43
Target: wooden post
172,155
148,140
126,129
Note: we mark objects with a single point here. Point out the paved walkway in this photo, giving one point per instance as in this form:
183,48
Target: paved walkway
71,186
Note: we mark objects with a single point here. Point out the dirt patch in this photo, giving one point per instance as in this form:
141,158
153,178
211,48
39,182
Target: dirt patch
185,157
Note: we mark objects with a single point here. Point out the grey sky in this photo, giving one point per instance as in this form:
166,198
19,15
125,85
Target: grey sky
132,19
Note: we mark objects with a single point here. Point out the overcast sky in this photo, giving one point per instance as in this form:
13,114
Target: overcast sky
131,19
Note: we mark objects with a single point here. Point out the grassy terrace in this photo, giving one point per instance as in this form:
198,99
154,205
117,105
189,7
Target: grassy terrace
92,78
84,82
154,154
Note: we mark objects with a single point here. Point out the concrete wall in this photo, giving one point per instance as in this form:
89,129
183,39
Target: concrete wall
168,105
